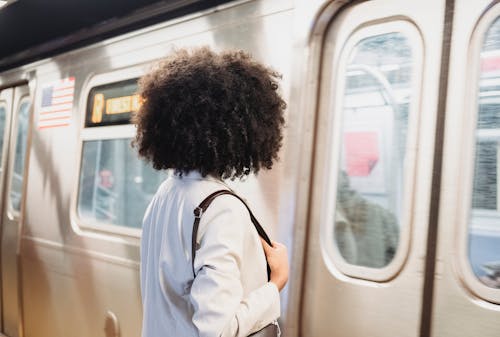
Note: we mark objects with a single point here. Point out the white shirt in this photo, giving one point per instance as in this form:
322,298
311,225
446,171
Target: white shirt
230,295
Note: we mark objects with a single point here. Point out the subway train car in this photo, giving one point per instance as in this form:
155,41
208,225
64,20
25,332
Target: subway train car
387,191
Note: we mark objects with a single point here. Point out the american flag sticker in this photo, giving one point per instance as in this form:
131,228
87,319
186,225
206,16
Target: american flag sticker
57,104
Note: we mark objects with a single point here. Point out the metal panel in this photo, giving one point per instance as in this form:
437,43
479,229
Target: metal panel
6,99
334,303
11,222
463,306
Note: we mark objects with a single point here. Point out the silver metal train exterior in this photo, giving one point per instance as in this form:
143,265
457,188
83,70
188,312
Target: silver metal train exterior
393,95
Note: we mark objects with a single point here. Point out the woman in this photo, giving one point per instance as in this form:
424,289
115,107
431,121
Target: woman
208,116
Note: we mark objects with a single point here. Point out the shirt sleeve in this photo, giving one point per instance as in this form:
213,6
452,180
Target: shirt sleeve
220,307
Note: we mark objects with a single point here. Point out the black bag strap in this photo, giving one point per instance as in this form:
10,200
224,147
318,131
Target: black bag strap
203,206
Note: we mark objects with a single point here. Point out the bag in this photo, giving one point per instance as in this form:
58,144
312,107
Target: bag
271,330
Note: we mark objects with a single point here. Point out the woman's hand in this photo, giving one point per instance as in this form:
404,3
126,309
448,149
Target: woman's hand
277,258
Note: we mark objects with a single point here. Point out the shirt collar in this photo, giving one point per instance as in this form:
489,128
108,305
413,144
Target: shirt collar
196,175
190,175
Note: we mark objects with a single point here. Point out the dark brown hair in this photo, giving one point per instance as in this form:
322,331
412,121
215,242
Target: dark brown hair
217,113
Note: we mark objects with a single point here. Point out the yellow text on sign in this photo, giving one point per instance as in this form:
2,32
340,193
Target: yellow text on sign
122,104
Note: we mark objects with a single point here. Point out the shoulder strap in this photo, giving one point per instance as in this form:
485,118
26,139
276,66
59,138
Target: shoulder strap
203,206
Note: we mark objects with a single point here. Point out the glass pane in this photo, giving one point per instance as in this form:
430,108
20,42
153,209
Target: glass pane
16,184
371,187
484,223
115,186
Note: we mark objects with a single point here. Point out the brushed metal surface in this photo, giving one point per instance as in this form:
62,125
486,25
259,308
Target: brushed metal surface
71,274
111,325
6,98
11,222
461,304
333,303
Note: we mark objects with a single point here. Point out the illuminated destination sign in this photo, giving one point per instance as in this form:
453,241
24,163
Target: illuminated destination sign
120,105
112,104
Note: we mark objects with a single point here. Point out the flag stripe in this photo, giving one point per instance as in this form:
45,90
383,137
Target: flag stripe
62,103
59,100
54,111
54,118
65,93
52,126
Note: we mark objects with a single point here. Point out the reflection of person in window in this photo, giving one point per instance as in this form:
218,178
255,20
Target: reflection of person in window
491,281
366,234
105,196
492,277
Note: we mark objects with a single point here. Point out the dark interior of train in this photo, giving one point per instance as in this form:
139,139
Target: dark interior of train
35,29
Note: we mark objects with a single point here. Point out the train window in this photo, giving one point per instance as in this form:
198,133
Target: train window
115,186
112,104
20,154
371,177
484,221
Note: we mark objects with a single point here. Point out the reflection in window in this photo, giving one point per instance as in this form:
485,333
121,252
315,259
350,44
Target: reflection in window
115,186
370,186
20,155
484,224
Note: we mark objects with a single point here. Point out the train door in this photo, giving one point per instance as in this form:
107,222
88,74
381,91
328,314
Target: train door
14,123
467,282
367,239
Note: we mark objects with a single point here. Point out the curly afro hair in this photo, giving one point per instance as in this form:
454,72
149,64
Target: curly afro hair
216,113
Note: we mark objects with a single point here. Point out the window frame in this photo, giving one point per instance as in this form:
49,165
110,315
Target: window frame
108,132
471,135
331,255
13,213
4,164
